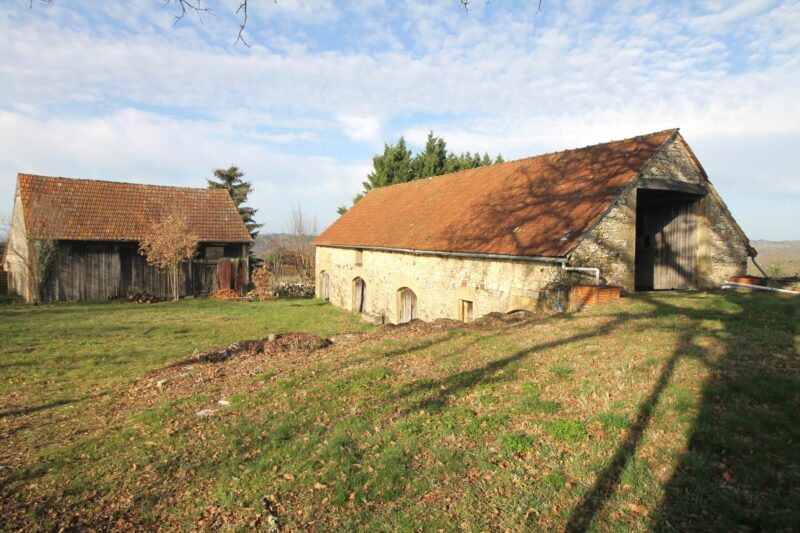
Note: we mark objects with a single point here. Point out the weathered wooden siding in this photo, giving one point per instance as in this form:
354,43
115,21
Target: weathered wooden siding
667,243
85,272
103,271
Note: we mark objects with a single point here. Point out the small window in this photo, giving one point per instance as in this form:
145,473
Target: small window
466,310
359,257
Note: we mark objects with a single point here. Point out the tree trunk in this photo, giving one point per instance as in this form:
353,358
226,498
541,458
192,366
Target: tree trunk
176,293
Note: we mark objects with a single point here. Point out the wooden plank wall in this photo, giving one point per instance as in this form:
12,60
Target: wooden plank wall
109,271
666,242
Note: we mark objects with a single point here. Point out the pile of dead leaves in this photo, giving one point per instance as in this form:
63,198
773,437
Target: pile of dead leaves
225,294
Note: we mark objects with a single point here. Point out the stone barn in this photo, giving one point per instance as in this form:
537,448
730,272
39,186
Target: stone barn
95,227
639,214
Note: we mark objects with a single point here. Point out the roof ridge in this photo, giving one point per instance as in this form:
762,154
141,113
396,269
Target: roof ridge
91,180
668,130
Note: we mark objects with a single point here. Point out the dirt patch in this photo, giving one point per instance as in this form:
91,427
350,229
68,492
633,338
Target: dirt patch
219,371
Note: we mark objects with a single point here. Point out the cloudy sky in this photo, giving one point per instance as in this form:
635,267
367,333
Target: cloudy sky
118,90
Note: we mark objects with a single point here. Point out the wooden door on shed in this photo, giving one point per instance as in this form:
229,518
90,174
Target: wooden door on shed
666,247
225,274
408,305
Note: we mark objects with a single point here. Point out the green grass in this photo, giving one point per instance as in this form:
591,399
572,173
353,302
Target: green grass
662,412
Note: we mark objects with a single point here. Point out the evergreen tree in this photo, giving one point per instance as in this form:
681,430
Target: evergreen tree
432,161
396,165
230,179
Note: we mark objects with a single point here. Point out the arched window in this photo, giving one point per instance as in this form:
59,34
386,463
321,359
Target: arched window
408,305
359,295
325,283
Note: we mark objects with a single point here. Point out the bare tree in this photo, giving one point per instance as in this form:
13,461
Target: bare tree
169,244
302,229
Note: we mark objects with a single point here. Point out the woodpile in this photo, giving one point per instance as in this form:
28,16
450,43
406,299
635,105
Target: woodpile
144,298
293,290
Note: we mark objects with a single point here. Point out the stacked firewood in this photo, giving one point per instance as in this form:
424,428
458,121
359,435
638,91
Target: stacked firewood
143,298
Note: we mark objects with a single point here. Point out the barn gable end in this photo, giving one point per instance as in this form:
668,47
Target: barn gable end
722,247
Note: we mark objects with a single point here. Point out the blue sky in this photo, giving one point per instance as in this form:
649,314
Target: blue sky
116,90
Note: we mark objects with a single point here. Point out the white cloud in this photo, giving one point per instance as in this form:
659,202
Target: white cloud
130,145
362,128
332,82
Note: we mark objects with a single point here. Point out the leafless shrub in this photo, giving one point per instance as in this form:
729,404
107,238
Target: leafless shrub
168,244
302,229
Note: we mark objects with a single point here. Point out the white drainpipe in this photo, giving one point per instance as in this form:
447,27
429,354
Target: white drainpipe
733,285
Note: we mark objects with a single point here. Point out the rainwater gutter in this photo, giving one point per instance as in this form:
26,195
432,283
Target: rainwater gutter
732,285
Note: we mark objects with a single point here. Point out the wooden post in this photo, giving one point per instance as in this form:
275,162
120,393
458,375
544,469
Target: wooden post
246,266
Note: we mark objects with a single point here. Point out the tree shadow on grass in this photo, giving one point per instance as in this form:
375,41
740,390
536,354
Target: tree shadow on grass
436,392
36,408
740,468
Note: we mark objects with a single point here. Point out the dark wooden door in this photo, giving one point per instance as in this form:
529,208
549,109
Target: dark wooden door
666,245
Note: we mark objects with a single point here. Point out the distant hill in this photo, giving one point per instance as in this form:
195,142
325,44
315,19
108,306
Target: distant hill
778,258
268,241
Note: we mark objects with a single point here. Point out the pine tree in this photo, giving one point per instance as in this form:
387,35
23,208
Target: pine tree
394,166
432,161
230,179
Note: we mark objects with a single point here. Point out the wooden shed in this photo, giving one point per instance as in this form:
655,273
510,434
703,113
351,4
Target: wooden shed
96,227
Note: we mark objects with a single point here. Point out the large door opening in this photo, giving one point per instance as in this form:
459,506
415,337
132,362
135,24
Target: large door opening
666,240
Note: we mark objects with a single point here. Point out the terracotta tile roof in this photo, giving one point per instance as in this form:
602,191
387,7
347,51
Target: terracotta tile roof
81,209
539,206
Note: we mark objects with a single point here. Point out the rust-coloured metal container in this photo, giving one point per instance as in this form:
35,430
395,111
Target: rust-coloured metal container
749,280
587,295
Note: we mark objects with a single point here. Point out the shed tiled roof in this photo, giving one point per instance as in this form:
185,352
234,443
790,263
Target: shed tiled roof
539,206
81,209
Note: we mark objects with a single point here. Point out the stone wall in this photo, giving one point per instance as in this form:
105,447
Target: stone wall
673,162
17,253
723,249
611,245
440,283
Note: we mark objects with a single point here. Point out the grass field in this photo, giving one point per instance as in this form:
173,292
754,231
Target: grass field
665,411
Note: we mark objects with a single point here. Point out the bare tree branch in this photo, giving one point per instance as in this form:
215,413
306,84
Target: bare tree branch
243,9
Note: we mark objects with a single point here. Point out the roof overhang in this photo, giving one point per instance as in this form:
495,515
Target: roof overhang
466,255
